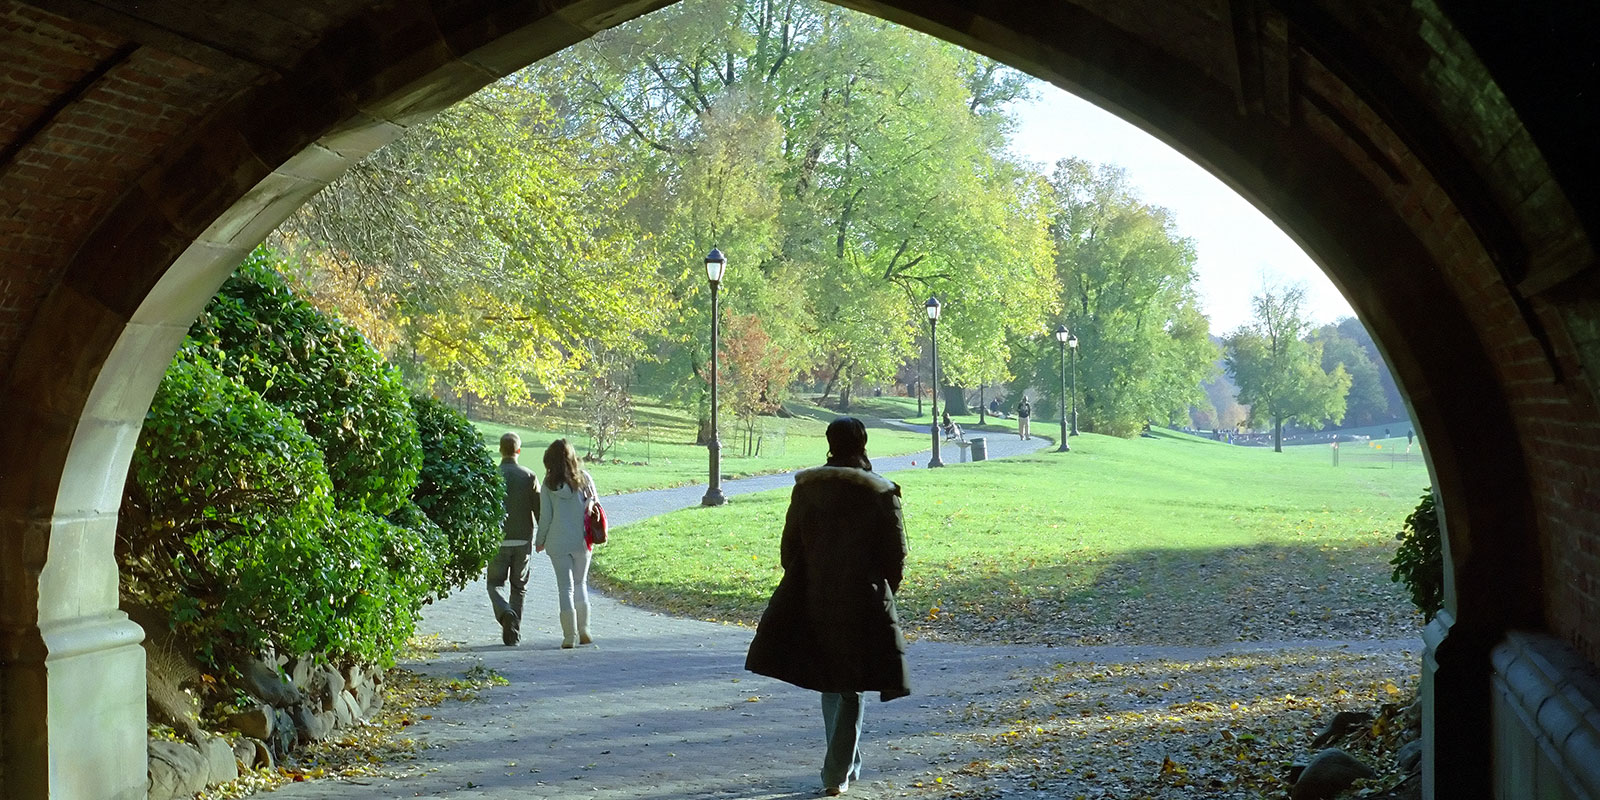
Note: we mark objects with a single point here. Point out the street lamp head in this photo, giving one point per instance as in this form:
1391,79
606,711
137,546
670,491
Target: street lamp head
1062,334
932,307
716,263
1072,342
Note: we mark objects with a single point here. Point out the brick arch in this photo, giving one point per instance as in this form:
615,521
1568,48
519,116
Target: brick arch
1437,181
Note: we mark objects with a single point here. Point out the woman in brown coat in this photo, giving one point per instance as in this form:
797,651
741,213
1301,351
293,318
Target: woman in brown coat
831,624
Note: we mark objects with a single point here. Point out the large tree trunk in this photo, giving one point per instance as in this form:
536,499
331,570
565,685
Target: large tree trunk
1277,434
955,400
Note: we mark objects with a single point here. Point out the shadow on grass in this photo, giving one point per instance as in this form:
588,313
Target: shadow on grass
1176,596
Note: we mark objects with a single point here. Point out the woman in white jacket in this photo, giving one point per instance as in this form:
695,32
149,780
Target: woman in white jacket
564,499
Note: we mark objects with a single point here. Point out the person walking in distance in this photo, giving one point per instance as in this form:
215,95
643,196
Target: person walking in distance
564,500
510,562
1024,413
831,624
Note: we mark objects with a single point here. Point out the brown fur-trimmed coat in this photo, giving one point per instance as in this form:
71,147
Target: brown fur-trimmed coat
831,625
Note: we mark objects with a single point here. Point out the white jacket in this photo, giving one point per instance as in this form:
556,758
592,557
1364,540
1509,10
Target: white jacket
561,515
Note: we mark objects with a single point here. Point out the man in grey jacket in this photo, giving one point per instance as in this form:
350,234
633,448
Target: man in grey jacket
516,546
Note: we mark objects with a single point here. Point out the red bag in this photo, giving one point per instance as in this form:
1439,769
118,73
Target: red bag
594,525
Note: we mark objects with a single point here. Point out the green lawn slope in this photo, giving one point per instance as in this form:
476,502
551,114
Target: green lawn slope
1163,538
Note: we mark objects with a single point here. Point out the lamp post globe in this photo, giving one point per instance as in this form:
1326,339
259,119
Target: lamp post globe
1072,344
1062,337
932,307
716,264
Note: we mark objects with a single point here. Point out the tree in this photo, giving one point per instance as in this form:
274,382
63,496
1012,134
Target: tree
494,236
607,408
1127,281
855,167
1352,329
755,374
1366,404
1279,371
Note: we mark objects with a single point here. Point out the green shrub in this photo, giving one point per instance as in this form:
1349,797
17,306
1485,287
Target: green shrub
223,488
253,512
459,489
417,553
1419,560
323,373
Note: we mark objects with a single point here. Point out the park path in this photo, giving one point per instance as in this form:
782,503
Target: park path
661,707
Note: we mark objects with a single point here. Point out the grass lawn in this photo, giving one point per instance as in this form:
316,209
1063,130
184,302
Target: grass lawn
1168,538
660,451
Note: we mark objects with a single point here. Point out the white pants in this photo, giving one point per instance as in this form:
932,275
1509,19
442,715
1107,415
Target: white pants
572,579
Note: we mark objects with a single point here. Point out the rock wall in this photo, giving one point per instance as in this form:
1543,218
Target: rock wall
297,702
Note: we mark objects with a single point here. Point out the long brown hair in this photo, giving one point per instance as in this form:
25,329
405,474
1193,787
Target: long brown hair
561,466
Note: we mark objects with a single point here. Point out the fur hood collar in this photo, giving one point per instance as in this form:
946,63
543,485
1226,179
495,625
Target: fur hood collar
871,480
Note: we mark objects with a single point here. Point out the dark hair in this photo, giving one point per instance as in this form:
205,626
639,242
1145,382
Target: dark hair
847,443
561,466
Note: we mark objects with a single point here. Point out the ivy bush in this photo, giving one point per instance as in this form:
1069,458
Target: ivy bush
1419,560
325,374
228,524
280,494
459,489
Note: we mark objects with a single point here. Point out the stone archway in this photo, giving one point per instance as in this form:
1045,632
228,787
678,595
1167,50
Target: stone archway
1440,180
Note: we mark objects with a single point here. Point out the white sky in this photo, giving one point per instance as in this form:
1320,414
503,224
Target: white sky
1238,248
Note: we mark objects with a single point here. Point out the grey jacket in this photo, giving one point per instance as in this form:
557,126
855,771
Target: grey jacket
522,502
561,516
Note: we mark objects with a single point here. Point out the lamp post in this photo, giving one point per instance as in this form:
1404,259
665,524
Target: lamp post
716,263
1062,334
1072,344
932,307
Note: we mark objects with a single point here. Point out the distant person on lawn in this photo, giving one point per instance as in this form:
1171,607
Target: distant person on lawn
510,562
1024,411
564,500
831,624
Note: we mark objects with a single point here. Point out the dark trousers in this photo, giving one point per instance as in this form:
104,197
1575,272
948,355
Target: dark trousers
842,715
509,564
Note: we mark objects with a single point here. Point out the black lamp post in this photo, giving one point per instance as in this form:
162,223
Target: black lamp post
716,263
1072,344
932,307
1062,335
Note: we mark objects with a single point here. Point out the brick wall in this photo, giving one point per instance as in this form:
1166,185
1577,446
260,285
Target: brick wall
83,115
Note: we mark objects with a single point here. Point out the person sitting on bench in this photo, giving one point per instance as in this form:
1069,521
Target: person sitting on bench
950,428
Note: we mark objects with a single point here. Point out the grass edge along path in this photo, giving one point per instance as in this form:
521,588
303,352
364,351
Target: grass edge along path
1167,539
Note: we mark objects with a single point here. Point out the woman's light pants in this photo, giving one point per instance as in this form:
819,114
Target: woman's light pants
842,716
572,580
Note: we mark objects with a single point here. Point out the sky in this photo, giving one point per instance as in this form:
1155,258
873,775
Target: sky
1238,248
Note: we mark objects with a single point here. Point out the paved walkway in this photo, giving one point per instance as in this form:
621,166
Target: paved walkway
661,707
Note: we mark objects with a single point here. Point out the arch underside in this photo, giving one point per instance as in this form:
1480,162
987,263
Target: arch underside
1441,182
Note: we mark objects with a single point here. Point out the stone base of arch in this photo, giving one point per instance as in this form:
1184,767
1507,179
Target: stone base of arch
73,707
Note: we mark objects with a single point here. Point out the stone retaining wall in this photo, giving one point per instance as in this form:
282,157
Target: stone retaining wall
298,702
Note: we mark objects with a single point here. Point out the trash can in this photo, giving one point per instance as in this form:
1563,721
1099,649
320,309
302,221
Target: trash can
980,448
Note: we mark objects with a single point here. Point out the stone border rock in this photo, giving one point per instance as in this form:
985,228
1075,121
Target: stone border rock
298,702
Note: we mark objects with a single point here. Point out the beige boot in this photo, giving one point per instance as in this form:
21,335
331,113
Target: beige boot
583,626
569,637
